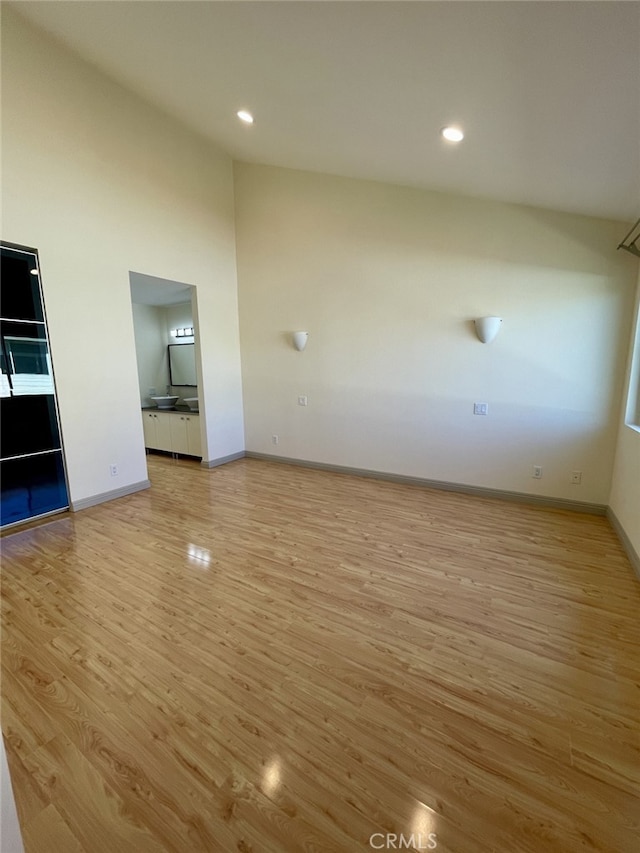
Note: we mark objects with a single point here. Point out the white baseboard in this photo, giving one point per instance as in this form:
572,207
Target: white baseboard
85,503
222,460
481,491
632,554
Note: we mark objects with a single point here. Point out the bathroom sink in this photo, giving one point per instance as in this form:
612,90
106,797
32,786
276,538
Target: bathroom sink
165,402
192,402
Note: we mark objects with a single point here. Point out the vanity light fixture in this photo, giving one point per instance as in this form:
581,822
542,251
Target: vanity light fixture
487,328
245,116
300,340
452,134
187,332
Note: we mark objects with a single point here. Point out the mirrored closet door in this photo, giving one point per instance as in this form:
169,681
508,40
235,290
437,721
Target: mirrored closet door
32,472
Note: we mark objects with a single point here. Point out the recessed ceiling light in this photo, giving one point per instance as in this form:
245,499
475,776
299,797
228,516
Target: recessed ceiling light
452,134
244,116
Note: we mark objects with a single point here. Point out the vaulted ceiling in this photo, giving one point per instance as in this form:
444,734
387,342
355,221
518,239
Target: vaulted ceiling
548,93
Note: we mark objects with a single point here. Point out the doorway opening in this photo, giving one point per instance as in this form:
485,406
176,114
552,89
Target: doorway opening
165,321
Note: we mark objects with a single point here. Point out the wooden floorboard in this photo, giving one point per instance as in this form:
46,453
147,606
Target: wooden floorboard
264,657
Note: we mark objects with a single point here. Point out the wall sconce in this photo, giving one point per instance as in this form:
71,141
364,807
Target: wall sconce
300,340
487,328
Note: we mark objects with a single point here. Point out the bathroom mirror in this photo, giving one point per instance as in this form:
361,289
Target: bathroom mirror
182,364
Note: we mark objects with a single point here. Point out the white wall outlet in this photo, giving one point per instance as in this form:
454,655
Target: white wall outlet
576,477
275,439
537,472
113,470
302,401
480,409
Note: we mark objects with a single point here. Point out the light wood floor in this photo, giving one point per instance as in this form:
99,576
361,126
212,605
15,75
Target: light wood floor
269,658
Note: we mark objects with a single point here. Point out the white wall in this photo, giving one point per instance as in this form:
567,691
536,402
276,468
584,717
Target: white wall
102,183
625,490
150,330
386,280
178,317
10,837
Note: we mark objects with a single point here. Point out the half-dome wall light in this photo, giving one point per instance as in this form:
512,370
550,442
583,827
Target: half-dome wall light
300,340
487,328
452,134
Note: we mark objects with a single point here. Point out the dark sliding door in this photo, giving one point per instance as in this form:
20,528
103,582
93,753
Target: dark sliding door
32,473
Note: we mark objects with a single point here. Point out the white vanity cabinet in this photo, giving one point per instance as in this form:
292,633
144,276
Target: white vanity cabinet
185,434
173,432
157,430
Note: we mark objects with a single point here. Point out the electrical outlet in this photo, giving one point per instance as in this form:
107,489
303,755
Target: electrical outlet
537,472
480,409
302,401
275,439
576,477
113,470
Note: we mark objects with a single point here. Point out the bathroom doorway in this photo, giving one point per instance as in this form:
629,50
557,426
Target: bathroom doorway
165,321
